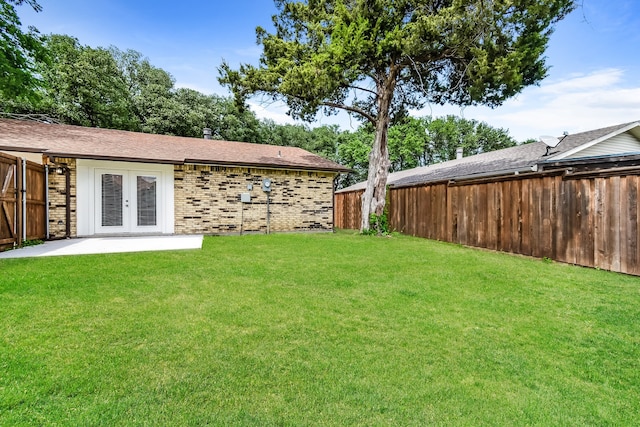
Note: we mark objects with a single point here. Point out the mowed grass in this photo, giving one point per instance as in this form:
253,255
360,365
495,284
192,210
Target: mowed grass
317,330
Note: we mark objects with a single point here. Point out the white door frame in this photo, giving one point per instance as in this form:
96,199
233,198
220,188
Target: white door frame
129,202
89,198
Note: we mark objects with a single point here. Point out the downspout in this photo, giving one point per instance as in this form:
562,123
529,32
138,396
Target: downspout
46,200
333,204
23,191
67,178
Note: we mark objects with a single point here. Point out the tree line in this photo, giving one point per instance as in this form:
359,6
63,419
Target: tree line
57,76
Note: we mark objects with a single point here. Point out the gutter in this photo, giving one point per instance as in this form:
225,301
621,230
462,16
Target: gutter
333,203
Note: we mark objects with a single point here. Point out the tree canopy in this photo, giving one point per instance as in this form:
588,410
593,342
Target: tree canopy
378,58
19,51
422,141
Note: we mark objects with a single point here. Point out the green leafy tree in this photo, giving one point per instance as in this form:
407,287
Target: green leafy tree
408,144
447,134
85,87
378,58
19,52
150,91
353,152
286,135
197,111
325,141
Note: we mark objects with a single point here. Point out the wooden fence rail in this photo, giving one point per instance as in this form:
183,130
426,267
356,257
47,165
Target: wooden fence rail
584,219
22,201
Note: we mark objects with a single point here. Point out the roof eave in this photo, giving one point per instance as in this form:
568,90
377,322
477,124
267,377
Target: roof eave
198,161
22,149
112,158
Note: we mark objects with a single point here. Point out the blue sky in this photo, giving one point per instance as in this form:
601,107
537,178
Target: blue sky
594,79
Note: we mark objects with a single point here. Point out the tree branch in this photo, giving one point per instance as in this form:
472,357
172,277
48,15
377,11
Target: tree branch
364,90
352,109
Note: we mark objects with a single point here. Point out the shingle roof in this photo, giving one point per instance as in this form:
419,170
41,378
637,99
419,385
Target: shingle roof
109,144
519,158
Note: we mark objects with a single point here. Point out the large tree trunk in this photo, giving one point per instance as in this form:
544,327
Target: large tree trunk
374,196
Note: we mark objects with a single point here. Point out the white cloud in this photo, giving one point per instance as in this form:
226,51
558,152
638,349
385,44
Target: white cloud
601,78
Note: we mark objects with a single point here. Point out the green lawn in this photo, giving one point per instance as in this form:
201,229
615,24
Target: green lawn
317,330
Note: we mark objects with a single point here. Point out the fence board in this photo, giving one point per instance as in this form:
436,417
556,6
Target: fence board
599,227
587,223
480,213
515,216
624,225
546,206
452,211
613,212
507,225
8,202
36,201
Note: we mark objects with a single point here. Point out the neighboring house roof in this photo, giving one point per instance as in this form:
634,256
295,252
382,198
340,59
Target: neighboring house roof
613,140
109,144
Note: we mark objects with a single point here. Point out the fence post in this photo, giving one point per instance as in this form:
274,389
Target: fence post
23,191
46,201
19,219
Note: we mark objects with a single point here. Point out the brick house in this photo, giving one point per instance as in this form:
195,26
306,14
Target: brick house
111,182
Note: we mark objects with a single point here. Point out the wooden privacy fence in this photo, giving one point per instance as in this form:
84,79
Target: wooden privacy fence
23,209
586,218
347,208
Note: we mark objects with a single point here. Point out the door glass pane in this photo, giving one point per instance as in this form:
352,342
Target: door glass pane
146,200
111,200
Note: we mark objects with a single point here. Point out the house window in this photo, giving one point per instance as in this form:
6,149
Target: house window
146,193
111,200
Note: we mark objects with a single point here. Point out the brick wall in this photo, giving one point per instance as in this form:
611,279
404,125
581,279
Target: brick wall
58,199
207,200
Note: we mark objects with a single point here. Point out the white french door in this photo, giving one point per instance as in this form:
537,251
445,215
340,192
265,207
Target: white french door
127,201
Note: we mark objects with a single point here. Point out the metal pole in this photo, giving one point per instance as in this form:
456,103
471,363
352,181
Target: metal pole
268,216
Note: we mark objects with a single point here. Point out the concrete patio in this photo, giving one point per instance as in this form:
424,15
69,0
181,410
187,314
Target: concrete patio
103,245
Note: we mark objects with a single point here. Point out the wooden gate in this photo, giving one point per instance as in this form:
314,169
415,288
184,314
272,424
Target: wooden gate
8,201
23,196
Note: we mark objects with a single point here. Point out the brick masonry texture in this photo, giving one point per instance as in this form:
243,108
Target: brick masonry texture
207,200
58,200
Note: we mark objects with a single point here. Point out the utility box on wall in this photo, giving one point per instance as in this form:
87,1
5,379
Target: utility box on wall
245,197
